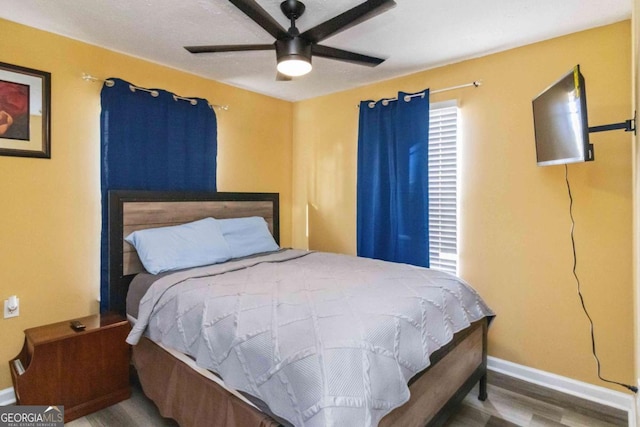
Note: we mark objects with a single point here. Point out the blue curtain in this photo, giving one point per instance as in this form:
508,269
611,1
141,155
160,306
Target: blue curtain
152,143
393,183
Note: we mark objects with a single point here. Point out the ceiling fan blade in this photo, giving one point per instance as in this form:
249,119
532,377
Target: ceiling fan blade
260,16
282,77
229,48
344,55
348,19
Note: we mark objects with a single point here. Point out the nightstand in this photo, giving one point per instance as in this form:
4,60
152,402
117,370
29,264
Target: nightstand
83,370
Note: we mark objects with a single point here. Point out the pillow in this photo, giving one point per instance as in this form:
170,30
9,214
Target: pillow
247,236
180,246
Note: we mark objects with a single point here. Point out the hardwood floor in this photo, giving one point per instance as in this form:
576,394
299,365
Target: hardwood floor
511,402
138,411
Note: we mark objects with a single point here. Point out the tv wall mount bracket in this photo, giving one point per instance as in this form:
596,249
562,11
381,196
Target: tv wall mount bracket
628,126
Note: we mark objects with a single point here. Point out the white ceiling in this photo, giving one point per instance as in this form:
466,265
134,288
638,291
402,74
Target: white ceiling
415,35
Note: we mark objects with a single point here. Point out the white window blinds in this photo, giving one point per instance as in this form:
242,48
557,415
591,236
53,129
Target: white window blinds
443,180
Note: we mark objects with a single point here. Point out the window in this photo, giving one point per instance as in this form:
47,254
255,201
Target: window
443,171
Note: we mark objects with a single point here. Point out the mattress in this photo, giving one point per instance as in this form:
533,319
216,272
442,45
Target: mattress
324,339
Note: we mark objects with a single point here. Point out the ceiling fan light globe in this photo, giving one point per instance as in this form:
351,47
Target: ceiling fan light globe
294,66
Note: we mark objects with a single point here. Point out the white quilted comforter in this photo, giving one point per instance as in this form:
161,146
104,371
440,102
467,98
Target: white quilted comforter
323,339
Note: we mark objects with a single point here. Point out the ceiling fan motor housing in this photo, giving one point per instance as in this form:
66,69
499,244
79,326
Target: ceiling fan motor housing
293,48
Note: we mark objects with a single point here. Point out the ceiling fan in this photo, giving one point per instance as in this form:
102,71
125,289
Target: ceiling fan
294,49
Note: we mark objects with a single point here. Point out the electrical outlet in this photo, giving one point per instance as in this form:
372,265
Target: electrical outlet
11,313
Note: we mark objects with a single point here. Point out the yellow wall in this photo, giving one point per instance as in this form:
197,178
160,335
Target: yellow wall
50,209
635,73
514,220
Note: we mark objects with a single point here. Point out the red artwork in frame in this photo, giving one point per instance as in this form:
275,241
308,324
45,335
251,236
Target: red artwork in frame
25,112
14,110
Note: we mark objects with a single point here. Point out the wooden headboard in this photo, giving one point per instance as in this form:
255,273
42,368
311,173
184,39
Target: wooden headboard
135,210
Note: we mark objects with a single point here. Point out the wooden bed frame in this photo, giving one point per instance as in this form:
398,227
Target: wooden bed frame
435,392
135,210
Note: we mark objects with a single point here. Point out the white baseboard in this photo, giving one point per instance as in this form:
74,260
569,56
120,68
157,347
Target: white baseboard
637,405
602,395
7,397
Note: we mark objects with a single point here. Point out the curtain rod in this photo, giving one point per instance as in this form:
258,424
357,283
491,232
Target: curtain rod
407,98
154,93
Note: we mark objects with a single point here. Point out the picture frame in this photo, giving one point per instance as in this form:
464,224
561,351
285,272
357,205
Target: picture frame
25,112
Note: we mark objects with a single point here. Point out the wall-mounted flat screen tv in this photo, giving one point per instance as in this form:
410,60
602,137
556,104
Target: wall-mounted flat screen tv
560,122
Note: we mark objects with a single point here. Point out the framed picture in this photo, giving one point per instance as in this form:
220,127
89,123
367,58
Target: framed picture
25,112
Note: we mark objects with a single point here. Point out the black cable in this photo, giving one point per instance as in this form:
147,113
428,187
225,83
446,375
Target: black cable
575,275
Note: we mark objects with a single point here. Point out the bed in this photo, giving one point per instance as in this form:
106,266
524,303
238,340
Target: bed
186,392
